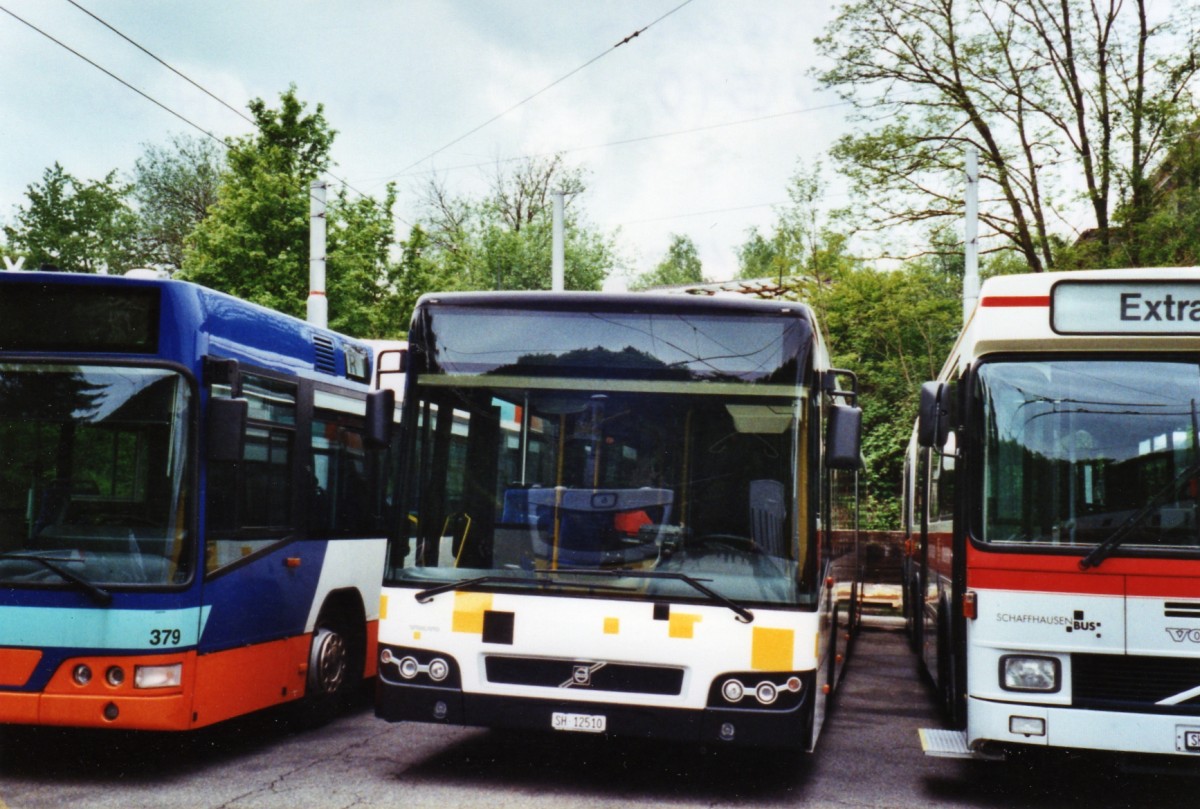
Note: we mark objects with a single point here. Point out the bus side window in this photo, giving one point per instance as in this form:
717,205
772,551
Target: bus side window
249,501
341,497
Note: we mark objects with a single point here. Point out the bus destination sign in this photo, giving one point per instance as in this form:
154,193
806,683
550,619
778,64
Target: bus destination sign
1125,307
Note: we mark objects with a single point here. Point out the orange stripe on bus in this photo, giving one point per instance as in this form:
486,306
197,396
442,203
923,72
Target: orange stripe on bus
17,664
249,678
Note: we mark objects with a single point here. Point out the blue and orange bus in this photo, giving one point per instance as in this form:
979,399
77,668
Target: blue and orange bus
190,520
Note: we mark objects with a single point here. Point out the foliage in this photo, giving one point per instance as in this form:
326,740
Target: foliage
681,265
894,329
1044,91
254,242
77,226
174,186
361,281
416,274
803,245
504,240
1167,231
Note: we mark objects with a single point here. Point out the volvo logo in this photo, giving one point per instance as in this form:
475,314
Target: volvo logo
581,675
1180,635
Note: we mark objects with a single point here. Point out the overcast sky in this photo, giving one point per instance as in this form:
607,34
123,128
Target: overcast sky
400,80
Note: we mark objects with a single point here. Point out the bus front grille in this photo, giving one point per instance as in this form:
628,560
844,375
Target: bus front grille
584,675
1136,683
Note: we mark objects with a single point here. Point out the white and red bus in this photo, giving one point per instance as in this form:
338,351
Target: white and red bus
1054,587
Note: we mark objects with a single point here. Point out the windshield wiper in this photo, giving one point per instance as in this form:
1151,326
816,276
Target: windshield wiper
1114,540
744,615
465,584
96,593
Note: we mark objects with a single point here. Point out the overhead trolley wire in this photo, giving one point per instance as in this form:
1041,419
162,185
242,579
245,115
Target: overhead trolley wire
144,94
529,98
114,76
192,82
162,62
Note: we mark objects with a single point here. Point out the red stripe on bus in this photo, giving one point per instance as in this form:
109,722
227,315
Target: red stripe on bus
1163,587
1088,583
1015,300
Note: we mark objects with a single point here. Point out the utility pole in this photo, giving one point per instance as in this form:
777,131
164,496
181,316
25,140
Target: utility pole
318,304
970,291
557,256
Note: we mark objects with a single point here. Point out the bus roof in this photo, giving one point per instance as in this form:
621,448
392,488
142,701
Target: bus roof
195,320
616,301
1139,309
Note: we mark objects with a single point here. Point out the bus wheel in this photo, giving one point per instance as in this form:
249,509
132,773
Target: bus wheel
912,617
833,647
327,662
332,678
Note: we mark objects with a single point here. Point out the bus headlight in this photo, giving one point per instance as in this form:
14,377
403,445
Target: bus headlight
82,674
1029,673
438,669
732,690
766,692
158,676
115,676
409,668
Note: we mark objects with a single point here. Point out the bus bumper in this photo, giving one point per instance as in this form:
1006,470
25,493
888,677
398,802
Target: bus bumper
750,728
125,713
996,723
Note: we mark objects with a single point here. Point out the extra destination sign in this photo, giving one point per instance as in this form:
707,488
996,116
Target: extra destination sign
1125,307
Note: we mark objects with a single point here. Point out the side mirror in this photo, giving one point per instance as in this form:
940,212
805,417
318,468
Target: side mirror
381,404
933,420
843,439
226,428
390,361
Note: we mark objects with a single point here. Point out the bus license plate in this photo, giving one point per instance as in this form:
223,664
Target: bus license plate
578,722
1191,740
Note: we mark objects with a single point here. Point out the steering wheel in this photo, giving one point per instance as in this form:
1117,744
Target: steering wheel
733,542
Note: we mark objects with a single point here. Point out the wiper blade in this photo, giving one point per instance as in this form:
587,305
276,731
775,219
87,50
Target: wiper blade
1105,549
744,615
96,593
428,594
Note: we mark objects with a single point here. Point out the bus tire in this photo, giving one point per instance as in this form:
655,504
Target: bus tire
947,693
333,674
912,618
831,677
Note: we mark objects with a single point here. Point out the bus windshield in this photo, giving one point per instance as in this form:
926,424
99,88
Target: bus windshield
519,484
95,475
1075,450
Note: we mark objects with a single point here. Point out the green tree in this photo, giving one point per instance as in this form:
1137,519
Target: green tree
1167,231
362,281
254,242
758,256
77,226
804,245
504,240
416,274
681,265
174,187
1043,90
894,329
